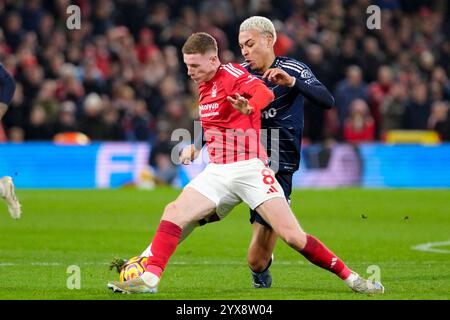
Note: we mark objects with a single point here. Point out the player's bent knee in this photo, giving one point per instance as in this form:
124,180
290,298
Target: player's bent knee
171,212
258,263
169,208
295,240
179,214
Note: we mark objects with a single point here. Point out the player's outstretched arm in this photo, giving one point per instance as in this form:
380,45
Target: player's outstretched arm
309,86
259,97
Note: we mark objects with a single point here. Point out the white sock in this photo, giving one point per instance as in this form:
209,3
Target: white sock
150,279
147,252
351,278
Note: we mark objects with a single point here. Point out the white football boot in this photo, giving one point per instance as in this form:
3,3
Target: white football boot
361,285
10,198
146,283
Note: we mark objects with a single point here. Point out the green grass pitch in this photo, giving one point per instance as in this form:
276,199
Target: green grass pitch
88,228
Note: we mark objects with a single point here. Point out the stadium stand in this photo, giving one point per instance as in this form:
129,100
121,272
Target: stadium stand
121,76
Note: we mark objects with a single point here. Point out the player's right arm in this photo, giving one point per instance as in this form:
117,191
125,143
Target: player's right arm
302,78
249,93
8,86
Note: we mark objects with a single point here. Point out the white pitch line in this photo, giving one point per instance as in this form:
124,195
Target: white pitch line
428,247
222,263
192,263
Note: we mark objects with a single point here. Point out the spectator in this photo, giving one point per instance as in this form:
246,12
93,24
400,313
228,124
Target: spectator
102,16
31,15
46,27
139,123
348,90
348,56
38,128
33,77
205,24
67,121
92,123
359,125
439,120
284,44
113,130
177,112
441,80
47,99
13,30
392,108
418,108
371,60
136,44
377,92
146,48
160,156
16,135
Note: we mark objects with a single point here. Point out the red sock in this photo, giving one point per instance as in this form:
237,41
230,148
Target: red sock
316,252
163,246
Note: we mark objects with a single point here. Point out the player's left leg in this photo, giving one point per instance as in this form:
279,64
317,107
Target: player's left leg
119,263
259,255
262,244
187,230
8,194
205,195
190,205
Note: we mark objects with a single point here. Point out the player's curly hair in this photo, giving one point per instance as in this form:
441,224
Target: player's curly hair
261,24
200,42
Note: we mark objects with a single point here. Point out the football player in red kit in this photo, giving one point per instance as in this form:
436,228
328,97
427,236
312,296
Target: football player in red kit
229,106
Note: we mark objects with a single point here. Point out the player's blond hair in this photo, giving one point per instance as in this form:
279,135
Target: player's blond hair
200,42
260,24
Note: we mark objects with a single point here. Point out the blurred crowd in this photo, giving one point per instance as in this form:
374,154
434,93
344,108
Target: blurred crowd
121,77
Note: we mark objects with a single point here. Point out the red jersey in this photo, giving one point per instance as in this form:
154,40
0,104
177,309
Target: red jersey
230,135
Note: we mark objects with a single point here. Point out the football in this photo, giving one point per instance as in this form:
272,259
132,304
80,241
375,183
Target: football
133,268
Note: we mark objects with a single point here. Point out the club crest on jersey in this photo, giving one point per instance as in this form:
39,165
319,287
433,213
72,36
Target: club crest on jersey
214,90
305,74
